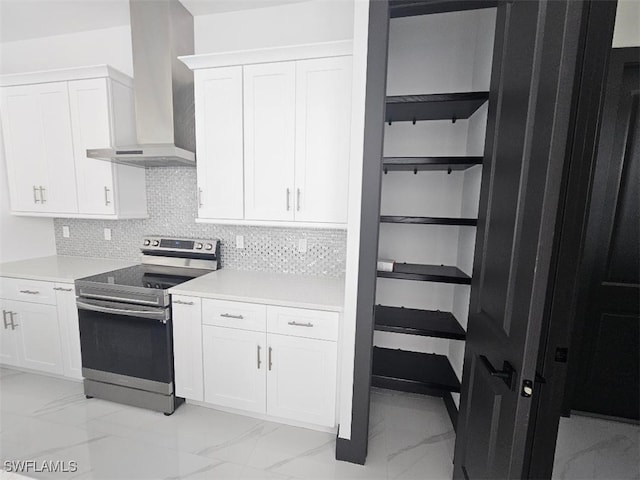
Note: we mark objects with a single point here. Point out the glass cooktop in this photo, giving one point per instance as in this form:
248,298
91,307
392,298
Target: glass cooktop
143,276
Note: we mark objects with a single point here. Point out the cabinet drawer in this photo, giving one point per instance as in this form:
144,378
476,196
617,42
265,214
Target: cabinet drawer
245,316
299,322
32,291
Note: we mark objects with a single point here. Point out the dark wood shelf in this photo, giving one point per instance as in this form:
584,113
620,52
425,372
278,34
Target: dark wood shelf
427,273
467,222
439,106
412,8
415,164
425,373
411,321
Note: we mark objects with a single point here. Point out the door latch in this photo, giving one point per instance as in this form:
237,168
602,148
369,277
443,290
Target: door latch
527,385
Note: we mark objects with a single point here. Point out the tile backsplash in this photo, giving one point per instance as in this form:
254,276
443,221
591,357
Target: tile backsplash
172,211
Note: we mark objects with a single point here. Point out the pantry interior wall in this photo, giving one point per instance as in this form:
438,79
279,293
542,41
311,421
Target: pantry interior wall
441,53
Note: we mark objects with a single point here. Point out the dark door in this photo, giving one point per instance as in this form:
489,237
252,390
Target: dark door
608,361
534,66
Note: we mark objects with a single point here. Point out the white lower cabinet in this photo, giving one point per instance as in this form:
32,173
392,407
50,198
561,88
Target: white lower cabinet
187,346
264,359
234,368
40,328
301,379
31,333
69,329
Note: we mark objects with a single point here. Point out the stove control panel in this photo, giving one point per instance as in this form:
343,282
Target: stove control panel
162,244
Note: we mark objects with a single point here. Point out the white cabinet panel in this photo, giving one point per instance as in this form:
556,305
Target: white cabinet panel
300,322
69,330
269,117
323,119
235,363
244,316
219,142
38,336
8,338
187,347
90,116
301,380
38,143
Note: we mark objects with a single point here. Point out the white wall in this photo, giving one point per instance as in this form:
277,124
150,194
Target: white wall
22,237
299,23
626,32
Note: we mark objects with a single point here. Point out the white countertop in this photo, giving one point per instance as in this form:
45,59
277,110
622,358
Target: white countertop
318,293
60,268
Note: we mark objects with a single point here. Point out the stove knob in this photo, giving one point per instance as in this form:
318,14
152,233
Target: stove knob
147,242
208,246
198,246
156,243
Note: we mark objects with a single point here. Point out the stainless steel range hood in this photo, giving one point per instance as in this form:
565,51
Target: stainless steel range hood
161,30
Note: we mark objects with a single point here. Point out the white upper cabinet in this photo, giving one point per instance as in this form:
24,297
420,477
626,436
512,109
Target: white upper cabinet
49,125
269,113
218,102
38,143
273,146
323,119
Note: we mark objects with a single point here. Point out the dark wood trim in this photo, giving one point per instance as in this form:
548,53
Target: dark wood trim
427,273
452,410
596,36
412,8
417,164
355,449
468,222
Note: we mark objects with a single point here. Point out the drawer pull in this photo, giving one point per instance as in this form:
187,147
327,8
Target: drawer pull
228,315
60,289
296,324
30,292
180,302
259,362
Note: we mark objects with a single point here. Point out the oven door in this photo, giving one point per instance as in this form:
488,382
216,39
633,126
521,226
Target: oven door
126,344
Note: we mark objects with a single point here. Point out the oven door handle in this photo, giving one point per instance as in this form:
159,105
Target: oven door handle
159,315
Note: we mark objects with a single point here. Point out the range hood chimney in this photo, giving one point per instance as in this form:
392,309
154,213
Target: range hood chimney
161,30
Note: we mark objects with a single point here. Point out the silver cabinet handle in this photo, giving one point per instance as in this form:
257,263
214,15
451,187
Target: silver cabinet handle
30,292
199,198
296,324
228,315
107,202
60,289
4,318
270,362
180,302
13,325
42,190
288,201
298,200
259,362
35,195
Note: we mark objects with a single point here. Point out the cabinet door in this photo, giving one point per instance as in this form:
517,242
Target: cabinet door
187,347
218,99
234,368
91,121
301,380
69,330
38,142
38,336
269,143
8,342
323,132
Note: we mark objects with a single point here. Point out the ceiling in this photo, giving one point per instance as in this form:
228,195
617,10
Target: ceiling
26,19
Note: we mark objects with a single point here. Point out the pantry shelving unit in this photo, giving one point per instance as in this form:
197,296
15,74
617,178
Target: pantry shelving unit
399,369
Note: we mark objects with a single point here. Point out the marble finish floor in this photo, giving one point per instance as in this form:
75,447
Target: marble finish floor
593,448
48,419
